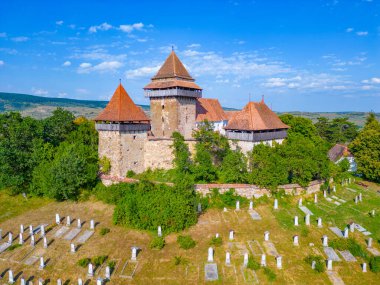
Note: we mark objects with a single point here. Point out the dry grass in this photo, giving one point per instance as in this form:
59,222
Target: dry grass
157,267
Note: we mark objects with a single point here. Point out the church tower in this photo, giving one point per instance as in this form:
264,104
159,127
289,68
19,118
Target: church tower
173,95
123,129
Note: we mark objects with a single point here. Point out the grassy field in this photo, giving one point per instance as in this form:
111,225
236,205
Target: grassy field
157,266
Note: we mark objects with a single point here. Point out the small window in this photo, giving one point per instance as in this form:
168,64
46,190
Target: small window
162,119
163,107
134,137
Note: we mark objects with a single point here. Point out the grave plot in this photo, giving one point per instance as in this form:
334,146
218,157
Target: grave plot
230,274
61,231
241,216
85,236
374,251
347,256
230,217
336,231
254,215
72,234
4,247
239,247
211,272
255,247
305,210
362,230
335,278
331,254
128,270
270,248
342,201
192,273
249,276
351,190
216,219
20,253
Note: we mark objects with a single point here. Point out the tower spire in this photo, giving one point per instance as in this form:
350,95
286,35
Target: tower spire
262,98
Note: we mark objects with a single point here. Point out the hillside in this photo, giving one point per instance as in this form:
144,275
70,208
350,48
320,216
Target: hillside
42,107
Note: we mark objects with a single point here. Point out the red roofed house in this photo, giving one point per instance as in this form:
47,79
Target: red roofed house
132,141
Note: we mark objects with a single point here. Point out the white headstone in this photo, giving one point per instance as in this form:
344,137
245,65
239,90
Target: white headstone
1,234
224,209
352,227
307,220
68,221
22,281
324,193
237,205
364,267
345,235
313,263
231,237
315,198
32,241
79,224
72,248
228,258
360,197
373,213
92,224
296,221
245,263
108,273
210,257
279,261
319,222
45,243
275,206
300,202
99,281
325,241
22,229
334,188
90,271
59,282
42,230
10,238
329,264
10,277
30,229
159,231
266,236
356,199
57,219
369,242
134,254
199,208
80,282
20,239
263,260
251,205
216,235
295,240
42,263
40,281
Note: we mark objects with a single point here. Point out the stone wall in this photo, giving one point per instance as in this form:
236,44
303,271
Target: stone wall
247,146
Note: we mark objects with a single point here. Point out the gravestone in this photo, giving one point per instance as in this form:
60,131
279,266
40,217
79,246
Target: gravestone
228,258
360,197
1,234
134,253
296,221
307,220
199,208
364,267
324,193
295,240
21,229
345,235
231,236
266,236
79,224
275,206
334,188
369,242
319,222
92,225
352,227
42,263
263,260
210,256
211,272
217,235
32,241
72,248
373,213
237,205
59,282
42,229
20,239
329,264
10,238
10,277
99,281
356,199
108,273
45,242
300,202
245,262
80,282
159,231
68,221
325,241
57,219
279,262
315,198
22,281
251,205
90,271
40,281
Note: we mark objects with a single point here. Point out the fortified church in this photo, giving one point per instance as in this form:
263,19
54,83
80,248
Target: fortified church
133,141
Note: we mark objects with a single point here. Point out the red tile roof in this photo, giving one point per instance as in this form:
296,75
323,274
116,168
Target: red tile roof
121,108
172,68
209,109
255,116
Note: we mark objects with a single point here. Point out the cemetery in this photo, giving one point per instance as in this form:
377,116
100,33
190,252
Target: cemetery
282,239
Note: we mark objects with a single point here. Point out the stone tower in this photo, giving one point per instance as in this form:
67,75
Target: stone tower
173,95
122,128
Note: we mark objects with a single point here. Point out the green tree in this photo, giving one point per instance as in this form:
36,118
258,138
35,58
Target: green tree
366,149
322,125
204,170
182,157
58,126
234,167
299,125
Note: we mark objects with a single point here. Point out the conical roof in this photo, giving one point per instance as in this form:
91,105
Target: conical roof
255,116
172,68
121,108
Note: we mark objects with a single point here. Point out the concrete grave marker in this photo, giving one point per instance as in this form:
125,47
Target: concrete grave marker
245,262
263,260
266,236
231,236
72,248
20,239
237,206
325,241
199,208
307,220
279,262
40,281
42,263
210,256
295,240
85,236
329,264
10,238
347,256
22,281
79,224
336,231
324,193
315,198
80,282
275,206
10,277
250,205
211,272
369,242
159,231
331,254
59,282
42,230
345,235
57,219
296,221
32,241
68,221
45,242
228,258
134,253
352,227
72,234
364,267
319,223
22,229
99,281
90,271
92,225
108,273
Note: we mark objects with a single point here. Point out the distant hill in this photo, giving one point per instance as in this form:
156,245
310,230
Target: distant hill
42,107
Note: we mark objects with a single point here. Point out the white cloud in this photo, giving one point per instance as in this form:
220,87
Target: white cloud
1,62
349,30
82,91
194,46
102,27
39,91
3,35
131,28
102,67
59,23
373,80
20,39
97,53
66,63
141,72
362,33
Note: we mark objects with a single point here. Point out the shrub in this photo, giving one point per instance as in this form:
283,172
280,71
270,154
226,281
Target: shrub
84,262
13,247
227,199
104,231
130,173
304,232
111,265
253,264
216,241
186,242
349,244
374,264
270,274
179,260
105,164
319,262
157,243
99,260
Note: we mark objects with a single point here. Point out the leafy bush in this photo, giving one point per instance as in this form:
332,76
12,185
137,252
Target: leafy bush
146,206
305,232
111,264
105,164
186,242
374,264
112,194
130,174
253,264
84,262
216,241
179,260
227,199
157,243
270,274
104,231
13,247
320,265
99,260
349,244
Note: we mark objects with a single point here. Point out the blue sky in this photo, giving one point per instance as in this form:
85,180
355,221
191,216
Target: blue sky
301,55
